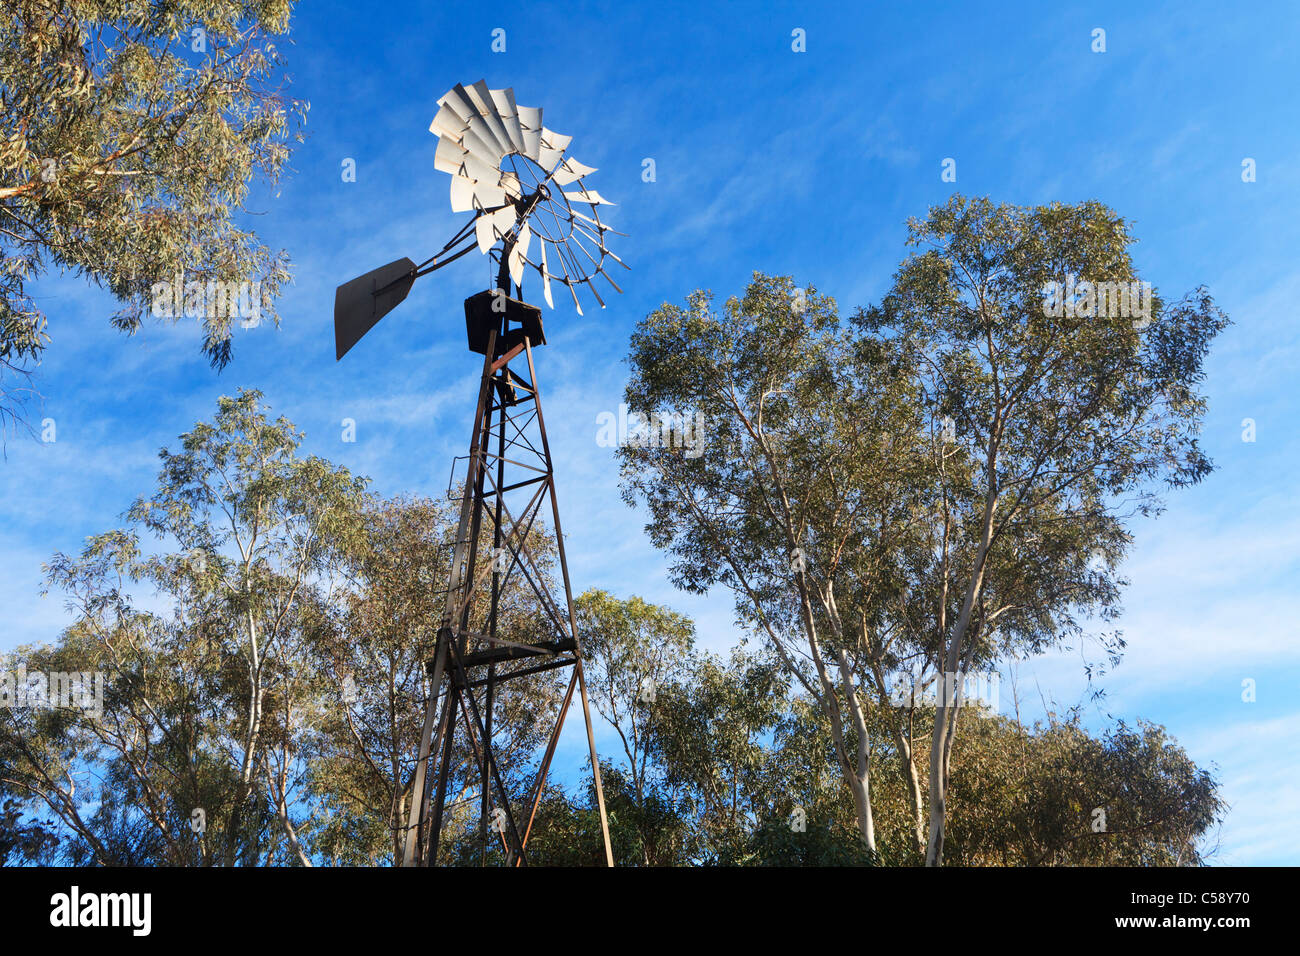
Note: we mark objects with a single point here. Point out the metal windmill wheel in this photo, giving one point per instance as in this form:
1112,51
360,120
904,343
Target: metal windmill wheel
526,195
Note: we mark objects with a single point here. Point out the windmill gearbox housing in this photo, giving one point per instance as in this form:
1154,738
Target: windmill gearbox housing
483,313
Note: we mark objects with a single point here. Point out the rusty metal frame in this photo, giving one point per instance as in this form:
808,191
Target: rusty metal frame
453,702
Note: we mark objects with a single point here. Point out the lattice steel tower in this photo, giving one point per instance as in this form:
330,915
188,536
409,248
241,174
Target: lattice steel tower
510,171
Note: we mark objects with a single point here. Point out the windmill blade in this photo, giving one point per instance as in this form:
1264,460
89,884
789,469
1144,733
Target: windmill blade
519,253
459,103
511,185
447,122
589,196
574,292
467,132
462,119
489,198
463,103
482,143
492,147
478,143
556,140
591,287
452,158
552,149
590,258
570,171
492,226
480,171
363,301
486,108
599,240
462,193
611,281
559,251
504,100
548,158
546,278
449,157
602,227
530,121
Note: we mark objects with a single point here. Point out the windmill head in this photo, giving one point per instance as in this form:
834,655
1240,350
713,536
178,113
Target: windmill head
510,171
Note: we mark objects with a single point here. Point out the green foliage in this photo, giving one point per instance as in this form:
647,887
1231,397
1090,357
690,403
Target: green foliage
634,650
1019,796
131,135
382,631
647,828
23,840
713,725
1059,796
822,843
207,695
254,586
942,483
1062,426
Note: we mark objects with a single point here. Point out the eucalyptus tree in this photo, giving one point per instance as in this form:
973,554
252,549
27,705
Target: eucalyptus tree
204,641
1051,794
946,481
264,660
130,137
634,649
1065,394
804,497
641,669
747,775
1056,795
711,747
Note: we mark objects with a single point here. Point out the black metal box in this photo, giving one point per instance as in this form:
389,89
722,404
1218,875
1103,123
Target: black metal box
483,313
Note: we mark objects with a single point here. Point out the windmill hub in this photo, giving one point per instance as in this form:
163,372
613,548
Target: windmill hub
524,205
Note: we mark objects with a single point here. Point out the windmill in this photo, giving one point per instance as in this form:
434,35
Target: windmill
531,211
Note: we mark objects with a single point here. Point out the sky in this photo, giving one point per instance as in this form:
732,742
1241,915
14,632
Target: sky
804,163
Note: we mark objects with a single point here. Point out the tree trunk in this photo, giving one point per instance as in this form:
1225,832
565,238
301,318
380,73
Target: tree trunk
902,741
945,712
858,781
861,778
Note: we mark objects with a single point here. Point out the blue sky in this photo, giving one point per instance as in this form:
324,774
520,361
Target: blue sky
805,164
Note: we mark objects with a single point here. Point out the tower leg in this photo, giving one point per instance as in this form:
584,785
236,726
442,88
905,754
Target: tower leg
573,620
418,815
